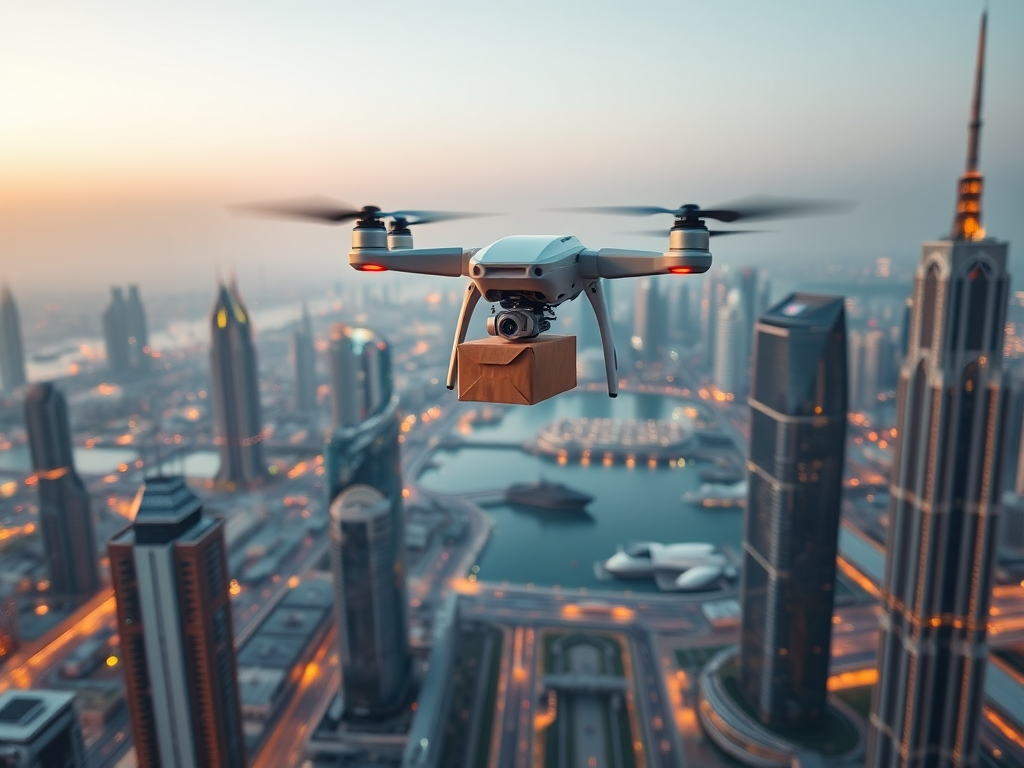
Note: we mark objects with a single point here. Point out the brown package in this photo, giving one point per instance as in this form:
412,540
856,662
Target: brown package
493,370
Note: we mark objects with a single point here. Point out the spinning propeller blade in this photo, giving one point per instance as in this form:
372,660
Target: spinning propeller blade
325,210
748,209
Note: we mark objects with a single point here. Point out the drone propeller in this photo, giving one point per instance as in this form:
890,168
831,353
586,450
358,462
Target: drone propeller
712,232
749,209
324,210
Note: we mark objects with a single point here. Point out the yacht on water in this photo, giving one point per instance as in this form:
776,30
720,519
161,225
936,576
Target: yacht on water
699,565
547,495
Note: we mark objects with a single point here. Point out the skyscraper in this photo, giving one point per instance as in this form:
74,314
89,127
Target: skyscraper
795,470
679,318
64,514
346,379
872,364
12,352
305,365
115,334
650,323
170,575
945,497
40,729
369,602
731,352
378,378
236,391
712,297
9,630
137,329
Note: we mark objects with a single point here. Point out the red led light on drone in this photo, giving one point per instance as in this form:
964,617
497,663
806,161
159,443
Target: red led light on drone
372,268
681,270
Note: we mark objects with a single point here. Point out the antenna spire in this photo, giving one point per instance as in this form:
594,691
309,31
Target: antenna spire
967,222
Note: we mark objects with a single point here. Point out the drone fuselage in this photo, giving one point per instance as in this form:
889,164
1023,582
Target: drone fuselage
531,270
529,275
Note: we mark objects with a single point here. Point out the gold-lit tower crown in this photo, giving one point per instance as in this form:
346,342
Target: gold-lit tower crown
967,222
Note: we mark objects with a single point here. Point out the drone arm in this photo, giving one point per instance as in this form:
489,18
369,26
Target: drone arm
595,293
469,302
614,263
447,262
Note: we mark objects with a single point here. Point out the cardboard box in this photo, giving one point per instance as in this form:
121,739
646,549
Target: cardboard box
494,370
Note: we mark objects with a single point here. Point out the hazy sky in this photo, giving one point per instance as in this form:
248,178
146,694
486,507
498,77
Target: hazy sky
125,127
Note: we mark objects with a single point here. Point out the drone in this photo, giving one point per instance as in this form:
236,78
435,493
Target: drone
529,275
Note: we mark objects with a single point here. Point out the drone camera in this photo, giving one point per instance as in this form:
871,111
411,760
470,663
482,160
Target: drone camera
517,324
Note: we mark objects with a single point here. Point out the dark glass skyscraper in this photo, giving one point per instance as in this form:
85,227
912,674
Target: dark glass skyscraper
12,351
236,391
369,601
170,576
945,497
795,470
64,514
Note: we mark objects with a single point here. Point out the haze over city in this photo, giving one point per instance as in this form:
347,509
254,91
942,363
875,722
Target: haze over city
125,129
430,488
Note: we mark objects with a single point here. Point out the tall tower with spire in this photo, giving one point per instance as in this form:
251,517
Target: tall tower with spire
236,391
945,493
12,351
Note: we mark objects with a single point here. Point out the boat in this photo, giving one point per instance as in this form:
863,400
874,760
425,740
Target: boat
722,475
642,560
547,495
713,495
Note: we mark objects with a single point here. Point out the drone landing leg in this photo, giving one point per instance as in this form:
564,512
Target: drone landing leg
469,301
595,293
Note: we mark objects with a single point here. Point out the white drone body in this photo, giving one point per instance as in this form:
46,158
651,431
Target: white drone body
529,275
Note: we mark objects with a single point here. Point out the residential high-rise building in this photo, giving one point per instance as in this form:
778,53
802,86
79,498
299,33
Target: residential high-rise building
9,631
945,496
115,334
679,320
369,602
378,379
872,367
795,469
12,351
40,729
64,513
346,378
304,358
650,321
137,329
236,391
126,333
713,295
367,454
731,352
170,575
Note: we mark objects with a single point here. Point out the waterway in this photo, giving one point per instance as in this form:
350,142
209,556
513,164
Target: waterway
88,461
560,548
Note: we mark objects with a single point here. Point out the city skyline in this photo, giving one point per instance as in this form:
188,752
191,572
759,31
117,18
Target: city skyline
262,533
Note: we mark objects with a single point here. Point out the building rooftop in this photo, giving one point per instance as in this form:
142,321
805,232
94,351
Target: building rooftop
292,620
310,593
165,501
805,310
24,714
272,651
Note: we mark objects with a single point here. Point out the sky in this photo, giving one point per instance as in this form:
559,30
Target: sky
126,127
